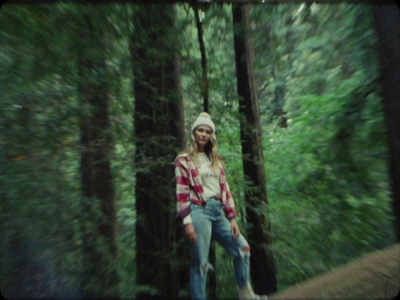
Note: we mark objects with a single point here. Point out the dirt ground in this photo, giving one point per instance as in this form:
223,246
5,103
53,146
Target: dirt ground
373,276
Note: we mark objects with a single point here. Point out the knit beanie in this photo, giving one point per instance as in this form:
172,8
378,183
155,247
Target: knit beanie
203,119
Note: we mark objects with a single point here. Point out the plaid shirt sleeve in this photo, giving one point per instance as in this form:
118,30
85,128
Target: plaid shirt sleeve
229,208
182,188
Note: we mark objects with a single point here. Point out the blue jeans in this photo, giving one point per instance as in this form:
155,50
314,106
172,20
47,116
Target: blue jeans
210,223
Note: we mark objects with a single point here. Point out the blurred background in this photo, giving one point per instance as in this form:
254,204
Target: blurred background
95,100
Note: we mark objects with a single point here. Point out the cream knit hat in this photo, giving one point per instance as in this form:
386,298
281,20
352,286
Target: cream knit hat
203,119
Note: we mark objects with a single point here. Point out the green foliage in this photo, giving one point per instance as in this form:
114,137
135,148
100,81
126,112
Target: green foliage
325,208
327,177
327,169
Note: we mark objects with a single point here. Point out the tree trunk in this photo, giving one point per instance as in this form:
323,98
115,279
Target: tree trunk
204,76
159,135
212,278
99,204
262,263
387,21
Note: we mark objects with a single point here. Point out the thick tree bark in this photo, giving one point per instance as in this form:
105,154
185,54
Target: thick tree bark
99,222
387,21
262,263
159,135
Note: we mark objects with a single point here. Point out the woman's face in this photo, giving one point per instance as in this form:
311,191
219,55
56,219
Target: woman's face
202,136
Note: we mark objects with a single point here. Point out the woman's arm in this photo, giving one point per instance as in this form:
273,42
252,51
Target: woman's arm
235,229
190,233
229,207
183,203
182,189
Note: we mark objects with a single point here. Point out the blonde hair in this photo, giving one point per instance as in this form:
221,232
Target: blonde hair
211,150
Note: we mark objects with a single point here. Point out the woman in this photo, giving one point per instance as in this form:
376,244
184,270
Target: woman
207,210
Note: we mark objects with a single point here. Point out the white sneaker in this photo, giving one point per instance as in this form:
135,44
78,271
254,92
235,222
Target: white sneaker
247,293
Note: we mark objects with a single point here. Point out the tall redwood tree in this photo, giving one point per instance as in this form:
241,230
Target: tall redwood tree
387,22
261,261
99,224
159,135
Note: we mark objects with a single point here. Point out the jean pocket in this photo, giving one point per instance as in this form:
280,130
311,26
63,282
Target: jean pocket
194,207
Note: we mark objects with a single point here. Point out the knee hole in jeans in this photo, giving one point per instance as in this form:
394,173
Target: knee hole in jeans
246,249
204,268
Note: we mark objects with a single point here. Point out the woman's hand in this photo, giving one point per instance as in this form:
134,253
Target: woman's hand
190,232
235,229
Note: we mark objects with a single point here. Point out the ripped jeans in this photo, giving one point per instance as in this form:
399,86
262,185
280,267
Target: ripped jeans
210,223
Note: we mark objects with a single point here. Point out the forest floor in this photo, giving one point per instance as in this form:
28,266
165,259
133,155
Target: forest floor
373,276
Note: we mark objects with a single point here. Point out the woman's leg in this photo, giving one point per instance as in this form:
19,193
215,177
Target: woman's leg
199,252
239,248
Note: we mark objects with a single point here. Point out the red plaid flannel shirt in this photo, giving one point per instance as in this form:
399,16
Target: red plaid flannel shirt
189,188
